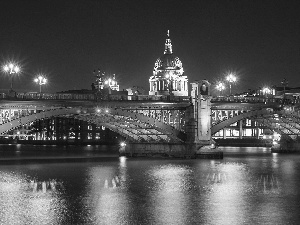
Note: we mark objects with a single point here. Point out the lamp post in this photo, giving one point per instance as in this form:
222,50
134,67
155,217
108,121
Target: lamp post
11,69
266,91
40,80
284,83
230,78
220,87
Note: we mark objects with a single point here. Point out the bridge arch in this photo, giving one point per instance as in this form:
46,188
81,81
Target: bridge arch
279,121
134,127
11,125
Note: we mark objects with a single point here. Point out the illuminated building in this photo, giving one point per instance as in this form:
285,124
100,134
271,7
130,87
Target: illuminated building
103,80
168,75
63,129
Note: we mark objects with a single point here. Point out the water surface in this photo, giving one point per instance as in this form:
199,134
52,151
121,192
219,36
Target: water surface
248,186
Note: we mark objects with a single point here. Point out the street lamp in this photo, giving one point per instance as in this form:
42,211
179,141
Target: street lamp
11,69
220,87
230,78
284,83
266,90
40,80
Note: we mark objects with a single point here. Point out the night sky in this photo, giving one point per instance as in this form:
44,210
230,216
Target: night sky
66,40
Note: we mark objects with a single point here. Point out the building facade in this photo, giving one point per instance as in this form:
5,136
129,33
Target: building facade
104,80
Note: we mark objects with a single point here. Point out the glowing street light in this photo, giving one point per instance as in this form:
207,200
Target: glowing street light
40,80
231,79
220,87
266,90
284,83
123,144
11,69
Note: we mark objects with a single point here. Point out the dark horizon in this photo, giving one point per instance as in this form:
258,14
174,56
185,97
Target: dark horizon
68,40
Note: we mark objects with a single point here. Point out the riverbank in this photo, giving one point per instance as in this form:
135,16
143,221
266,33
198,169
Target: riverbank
56,159
51,152
53,142
20,153
246,142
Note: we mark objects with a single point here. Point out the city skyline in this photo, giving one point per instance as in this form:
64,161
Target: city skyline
68,40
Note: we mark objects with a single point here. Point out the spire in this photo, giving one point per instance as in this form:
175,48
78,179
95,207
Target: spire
168,44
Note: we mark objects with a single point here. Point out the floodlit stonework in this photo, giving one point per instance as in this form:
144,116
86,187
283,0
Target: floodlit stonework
168,75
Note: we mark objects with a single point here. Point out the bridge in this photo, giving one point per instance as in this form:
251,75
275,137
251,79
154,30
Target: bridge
174,128
284,119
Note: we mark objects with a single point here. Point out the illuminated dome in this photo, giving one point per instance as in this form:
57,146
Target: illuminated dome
167,63
168,75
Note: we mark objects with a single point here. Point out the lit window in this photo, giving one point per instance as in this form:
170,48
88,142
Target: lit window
248,122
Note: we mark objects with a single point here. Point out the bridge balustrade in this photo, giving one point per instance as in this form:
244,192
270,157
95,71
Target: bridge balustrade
246,99
91,97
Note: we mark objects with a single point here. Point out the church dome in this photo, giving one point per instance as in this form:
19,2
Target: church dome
168,62
168,76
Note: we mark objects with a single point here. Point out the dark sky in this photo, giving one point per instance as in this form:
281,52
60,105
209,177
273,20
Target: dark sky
67,40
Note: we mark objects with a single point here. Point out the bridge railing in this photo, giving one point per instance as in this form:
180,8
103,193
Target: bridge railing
91,96
247,99
88,95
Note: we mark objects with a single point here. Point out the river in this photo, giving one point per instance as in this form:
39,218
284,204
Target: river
249,186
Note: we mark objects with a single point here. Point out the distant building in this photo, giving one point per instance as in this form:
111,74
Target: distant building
135,90
168,75
82,94
290,94
104,80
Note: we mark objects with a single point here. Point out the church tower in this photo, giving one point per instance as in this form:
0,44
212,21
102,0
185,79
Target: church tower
168,76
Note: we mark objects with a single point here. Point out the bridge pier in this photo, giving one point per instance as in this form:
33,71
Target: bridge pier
286,145
203,144
287,148
173,150
156,150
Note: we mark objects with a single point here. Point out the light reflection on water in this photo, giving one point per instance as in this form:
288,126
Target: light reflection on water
169,189
105,198
25,201
244,188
